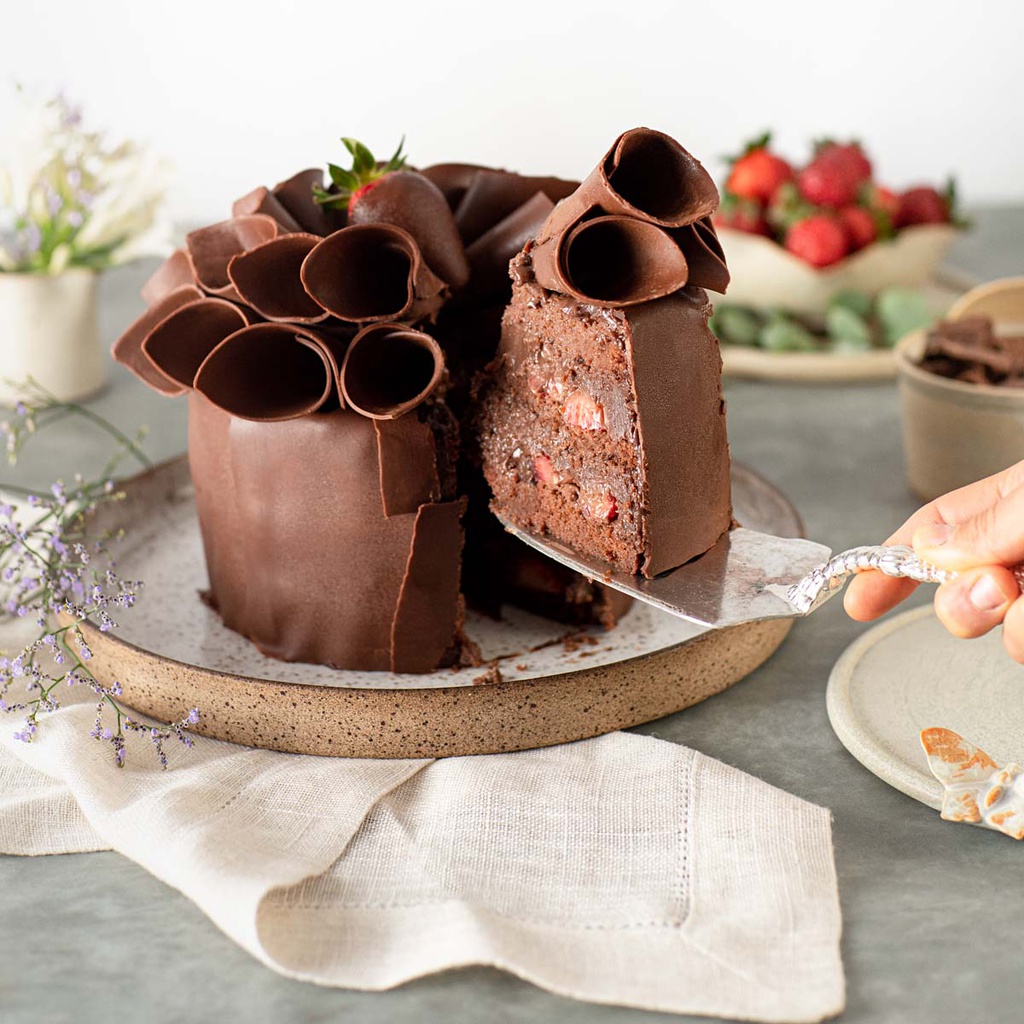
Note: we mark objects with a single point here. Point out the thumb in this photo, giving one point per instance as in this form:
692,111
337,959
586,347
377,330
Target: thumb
994,536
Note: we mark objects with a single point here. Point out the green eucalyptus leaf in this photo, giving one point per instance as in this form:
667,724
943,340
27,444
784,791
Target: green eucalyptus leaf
900,311
781,334
853,300
737,325
844,325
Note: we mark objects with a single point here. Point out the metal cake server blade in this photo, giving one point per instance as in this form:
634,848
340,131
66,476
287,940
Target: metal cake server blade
747,576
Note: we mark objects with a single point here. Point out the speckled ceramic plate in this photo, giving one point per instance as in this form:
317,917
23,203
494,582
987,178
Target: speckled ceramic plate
909,674
171,651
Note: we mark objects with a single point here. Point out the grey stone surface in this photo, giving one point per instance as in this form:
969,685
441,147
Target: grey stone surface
932,911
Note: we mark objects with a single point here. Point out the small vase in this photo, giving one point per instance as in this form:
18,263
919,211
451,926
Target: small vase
49,330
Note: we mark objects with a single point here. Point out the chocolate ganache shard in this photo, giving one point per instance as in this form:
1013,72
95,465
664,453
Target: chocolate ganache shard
603,422
331,342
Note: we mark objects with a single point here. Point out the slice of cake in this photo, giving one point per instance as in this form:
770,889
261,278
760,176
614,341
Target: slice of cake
602,422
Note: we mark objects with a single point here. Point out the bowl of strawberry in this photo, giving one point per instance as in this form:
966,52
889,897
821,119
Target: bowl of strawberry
794,236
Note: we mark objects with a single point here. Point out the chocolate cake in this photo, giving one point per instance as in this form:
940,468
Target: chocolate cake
332,337
603,423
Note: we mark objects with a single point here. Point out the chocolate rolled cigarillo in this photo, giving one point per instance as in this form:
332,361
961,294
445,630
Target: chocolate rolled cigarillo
368,273
611,261
268,278
267,372
389,370
179,344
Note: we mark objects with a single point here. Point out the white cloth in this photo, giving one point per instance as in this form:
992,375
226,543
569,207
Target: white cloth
622,869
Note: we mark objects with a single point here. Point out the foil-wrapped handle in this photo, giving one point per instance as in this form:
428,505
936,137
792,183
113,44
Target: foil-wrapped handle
896,560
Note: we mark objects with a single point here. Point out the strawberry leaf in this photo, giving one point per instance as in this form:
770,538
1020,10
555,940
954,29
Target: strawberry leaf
364,170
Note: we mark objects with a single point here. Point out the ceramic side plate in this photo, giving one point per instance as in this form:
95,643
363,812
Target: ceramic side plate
907,675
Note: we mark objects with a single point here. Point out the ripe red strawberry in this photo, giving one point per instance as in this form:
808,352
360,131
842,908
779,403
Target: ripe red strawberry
602,507
758,172
847,156
580,410
741,215
824,182
860,227
386,193
818,240
922,205
544,471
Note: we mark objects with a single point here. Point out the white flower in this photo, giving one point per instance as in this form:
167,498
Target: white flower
67,196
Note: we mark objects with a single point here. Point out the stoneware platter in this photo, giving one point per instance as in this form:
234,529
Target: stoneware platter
545,682
909,674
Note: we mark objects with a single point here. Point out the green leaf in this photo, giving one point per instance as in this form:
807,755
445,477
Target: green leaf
736,325
784,335
900,311
853,300
844,325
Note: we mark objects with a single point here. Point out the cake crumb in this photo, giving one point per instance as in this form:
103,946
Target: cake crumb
491,676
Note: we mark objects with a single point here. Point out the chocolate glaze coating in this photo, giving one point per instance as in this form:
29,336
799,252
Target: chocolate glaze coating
301,557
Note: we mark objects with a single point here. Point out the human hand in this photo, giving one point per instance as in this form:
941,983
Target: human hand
977,530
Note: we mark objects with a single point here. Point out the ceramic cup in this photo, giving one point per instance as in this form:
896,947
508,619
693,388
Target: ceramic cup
50,332
955,433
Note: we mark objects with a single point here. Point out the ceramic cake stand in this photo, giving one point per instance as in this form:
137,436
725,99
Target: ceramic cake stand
544,683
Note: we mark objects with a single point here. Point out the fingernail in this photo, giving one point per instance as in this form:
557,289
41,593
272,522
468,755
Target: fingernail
986,595
933,536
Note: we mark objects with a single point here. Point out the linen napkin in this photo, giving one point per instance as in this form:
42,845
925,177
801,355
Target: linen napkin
622,869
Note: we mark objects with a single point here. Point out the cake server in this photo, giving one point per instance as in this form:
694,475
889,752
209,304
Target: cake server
748,576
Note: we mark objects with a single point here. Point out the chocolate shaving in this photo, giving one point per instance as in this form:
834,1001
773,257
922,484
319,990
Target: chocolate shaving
969,350
295,194
611,261
390,369
408,465
180,343
262,200
452,179
490,254
704,255
268,279
367,273
175,272
211,249
267,372
427,611
127,350
492,195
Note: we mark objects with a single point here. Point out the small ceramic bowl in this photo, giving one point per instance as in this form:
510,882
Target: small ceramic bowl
764,274
955,433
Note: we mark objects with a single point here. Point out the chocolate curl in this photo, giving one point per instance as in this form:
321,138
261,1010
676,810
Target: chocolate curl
178,345
452,179
611,261
175,272
493,195
268,279
645,174
296,195
262,200
408,465
489,255
389,370
704,255
127,350
211,249
368,273
267,372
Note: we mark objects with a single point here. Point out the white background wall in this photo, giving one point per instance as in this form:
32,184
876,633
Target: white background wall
244,93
